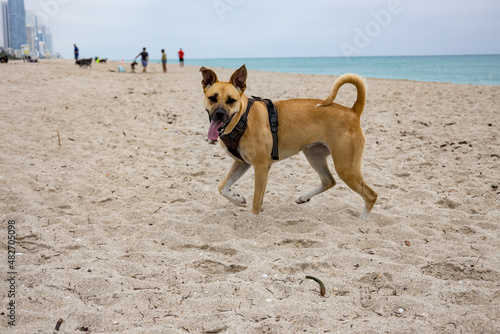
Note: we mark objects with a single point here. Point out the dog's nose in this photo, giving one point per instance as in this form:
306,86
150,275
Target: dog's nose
219,114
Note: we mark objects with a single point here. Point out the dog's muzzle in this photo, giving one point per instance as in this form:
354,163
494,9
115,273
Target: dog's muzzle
219,115
218,119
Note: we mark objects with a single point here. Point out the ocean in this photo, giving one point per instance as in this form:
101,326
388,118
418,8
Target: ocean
470,69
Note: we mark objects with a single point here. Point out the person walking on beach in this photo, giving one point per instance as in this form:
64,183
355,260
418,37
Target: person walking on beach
164,60
181,57
76,51
144,59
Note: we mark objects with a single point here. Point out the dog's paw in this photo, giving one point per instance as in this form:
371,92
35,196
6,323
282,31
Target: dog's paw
256,211
302,200
364,215
239,200
234,198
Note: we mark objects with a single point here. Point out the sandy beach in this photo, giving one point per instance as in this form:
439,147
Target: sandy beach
111,184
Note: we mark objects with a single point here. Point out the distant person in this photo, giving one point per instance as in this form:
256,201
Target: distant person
77,52
181,57
144,59
164,60
4,59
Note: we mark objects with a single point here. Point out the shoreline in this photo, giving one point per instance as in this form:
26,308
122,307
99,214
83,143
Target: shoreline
415,68
155,62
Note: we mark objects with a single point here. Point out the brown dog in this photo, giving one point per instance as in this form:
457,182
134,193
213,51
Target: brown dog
317,128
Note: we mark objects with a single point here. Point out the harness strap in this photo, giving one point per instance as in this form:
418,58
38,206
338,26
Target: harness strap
232,139
273,123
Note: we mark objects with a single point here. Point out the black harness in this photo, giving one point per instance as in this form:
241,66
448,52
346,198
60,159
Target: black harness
232,139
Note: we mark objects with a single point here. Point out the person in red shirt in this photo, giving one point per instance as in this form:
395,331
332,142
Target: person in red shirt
181,57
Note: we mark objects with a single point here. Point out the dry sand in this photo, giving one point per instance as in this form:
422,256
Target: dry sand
120,227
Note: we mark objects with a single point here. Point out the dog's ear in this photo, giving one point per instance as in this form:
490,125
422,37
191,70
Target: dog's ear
239,78
209,78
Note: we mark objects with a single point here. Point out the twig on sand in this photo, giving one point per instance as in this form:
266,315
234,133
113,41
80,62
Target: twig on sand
321,285
215,330
58,138
58,325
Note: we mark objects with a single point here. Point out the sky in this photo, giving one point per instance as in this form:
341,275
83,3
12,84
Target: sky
119,29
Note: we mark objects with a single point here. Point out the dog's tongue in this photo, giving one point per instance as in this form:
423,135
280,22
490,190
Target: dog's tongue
213,134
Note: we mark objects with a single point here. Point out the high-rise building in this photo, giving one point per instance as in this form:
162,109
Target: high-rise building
5,25
41,38
31,31
48,38
23,30
17,23
44,39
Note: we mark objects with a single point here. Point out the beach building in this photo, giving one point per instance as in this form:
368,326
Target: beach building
44,39
21,27
17,23
5,25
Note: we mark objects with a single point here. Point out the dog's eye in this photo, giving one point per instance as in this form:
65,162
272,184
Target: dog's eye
213,98
230,100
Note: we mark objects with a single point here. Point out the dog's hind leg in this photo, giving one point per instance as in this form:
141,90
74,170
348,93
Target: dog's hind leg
237,170
349,171
355,182
317,157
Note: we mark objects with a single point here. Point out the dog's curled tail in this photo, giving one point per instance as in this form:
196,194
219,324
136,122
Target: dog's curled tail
351,78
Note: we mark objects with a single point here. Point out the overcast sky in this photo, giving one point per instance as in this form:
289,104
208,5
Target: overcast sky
118,29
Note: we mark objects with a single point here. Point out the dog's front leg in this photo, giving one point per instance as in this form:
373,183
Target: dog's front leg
237,170
261,175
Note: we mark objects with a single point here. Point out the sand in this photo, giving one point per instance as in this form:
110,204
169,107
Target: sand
112,185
